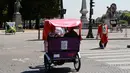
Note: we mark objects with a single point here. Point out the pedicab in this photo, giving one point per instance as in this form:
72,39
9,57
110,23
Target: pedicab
60,50
10,27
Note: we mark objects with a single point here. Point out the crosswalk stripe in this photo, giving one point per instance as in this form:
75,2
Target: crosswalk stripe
112,56
124,67
117,59
103,51
119,63
113,53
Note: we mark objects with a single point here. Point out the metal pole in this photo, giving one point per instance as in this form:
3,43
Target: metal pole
38,26
39,32
90,33
61,8
38,17
125,31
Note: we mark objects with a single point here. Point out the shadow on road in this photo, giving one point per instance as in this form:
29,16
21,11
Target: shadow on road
35,40
6,34
53,70
96,48
2,34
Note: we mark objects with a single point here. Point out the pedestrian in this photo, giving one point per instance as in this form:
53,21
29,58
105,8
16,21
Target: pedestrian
103,34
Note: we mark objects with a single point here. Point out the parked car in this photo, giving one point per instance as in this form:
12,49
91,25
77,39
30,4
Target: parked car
41,25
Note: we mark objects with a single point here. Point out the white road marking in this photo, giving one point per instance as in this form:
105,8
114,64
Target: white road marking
117,59
115,63
113,53
9,48
112,56
124,67
104,51
21,60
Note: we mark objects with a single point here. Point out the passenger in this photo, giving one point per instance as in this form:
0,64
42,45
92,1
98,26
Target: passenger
60,32
57,32
71,33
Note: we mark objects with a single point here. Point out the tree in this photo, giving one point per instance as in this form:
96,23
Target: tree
31,9
49,9
10,4
123,22
126,16
3,11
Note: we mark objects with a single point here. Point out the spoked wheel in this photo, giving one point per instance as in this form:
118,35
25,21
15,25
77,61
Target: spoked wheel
46,63
77,63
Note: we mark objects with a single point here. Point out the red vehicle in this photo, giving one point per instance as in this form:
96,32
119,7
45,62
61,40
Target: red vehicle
59,50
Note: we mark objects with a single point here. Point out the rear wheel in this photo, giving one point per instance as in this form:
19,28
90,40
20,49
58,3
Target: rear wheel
46,63
77,63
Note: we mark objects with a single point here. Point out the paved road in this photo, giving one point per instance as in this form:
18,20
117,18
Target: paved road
18,52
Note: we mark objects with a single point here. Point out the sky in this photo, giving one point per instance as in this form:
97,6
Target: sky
74,6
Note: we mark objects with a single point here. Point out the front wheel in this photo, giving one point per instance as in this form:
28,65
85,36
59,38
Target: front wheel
77,63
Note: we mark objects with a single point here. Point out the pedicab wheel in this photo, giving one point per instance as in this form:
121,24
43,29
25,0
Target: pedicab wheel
77,63
46,63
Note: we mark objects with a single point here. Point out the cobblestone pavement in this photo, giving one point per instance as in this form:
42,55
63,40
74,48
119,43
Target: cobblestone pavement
18,52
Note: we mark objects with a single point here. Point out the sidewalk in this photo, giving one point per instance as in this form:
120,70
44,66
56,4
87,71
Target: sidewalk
2,31
111,36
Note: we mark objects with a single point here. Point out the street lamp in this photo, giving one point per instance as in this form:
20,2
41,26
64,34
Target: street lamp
38,21
83,11
90,34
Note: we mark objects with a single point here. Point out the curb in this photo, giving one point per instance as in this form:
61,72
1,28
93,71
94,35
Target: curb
108,39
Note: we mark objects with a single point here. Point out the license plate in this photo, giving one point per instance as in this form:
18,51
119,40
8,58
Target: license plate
56,55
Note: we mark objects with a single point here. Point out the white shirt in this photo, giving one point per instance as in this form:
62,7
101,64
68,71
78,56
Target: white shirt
59,31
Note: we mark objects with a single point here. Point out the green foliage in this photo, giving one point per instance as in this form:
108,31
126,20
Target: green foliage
126,16
3,10
123,22
20,25
43,8
49,9
30,9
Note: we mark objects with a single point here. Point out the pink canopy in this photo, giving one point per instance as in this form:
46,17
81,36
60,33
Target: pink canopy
64,22
50,24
